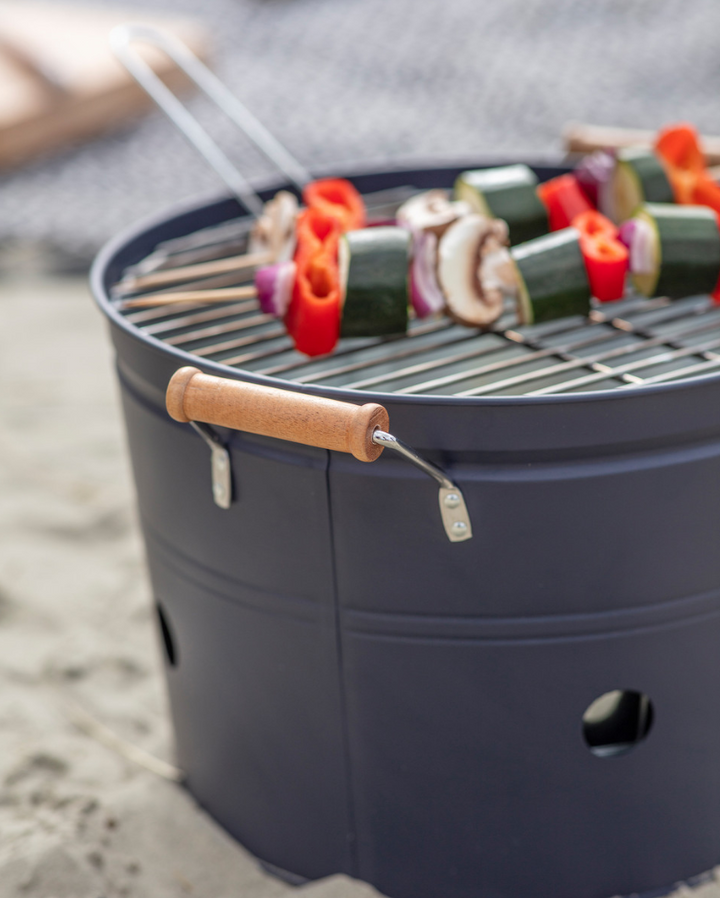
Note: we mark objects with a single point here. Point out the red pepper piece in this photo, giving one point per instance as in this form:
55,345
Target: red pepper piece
564,198
605,257
316,232
338,199
313,317
593,223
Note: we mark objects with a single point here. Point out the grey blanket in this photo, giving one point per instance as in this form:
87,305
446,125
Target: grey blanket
340,80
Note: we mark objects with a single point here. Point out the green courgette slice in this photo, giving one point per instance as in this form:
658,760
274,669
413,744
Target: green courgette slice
639,177
374,270
509,193
686,251
552,280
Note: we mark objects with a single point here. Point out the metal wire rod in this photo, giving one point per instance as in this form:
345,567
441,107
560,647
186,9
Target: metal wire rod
121,40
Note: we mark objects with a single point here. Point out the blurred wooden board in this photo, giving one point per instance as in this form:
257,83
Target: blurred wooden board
93,93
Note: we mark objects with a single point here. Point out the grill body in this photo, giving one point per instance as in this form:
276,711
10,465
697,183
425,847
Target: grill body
353,693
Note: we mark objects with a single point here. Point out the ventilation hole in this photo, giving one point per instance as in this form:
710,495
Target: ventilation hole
167,638
614,723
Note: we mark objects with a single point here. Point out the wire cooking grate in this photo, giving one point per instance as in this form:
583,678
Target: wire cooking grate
628,343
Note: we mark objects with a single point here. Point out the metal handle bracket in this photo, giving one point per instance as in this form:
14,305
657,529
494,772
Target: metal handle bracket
220,466
453,510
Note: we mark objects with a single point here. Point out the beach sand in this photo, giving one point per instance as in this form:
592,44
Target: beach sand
77,819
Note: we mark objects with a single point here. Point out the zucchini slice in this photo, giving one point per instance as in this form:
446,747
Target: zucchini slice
374,281
552,280
639,177
686,251
509,193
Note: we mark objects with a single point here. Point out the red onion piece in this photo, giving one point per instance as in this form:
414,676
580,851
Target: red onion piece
594,171
642,248
425,293
381,223
627,232
274,284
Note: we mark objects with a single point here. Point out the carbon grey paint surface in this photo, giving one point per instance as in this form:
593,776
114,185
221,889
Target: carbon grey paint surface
353,693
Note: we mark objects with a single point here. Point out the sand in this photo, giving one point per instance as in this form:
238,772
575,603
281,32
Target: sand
77,819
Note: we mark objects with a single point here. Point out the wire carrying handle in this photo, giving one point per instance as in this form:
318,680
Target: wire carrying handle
202,399
121,40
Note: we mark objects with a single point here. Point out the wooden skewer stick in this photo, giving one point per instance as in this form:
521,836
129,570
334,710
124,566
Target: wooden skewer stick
231,294
190,272
586,138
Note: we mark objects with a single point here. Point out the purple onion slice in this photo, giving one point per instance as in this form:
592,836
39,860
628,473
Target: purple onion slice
627,232
274,284
425,294
639,237
593,172
643,248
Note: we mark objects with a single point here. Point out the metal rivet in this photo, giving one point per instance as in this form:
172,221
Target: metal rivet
452,500
459,527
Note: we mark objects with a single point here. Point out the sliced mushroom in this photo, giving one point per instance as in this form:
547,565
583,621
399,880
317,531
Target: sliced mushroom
475,270
431,211
274,231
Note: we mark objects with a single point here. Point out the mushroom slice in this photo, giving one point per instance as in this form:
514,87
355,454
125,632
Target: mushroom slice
431,211
274,231
473,270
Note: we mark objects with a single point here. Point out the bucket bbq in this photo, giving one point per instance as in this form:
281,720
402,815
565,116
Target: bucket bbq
524,705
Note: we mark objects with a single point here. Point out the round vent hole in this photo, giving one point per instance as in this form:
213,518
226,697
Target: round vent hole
616,722
167,637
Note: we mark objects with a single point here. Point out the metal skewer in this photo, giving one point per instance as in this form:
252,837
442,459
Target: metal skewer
121,40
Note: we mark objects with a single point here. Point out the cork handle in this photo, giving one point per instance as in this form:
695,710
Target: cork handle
312,420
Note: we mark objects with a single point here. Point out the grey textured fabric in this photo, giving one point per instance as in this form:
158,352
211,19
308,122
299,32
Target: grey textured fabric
371,79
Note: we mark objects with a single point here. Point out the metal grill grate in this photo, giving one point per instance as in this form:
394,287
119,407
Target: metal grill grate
628,343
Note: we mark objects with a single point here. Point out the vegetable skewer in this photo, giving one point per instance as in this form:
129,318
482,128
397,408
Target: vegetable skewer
580,138
448,257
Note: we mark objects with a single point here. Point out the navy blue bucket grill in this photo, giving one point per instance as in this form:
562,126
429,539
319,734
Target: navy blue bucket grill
533,712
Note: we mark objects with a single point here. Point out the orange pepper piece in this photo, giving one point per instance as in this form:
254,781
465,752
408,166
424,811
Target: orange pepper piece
706,192
678,146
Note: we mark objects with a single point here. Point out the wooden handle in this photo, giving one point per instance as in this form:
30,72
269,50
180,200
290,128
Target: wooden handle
586,138
312,420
